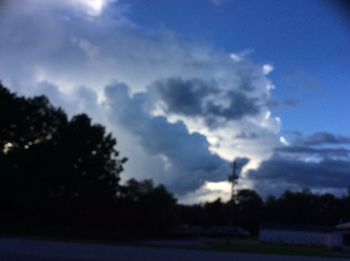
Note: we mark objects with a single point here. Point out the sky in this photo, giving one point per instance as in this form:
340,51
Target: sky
187,87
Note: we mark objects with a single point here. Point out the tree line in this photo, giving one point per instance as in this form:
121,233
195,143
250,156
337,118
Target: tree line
249,211
60,176
63,175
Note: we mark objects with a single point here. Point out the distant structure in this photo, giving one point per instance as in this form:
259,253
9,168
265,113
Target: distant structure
330,237
233,179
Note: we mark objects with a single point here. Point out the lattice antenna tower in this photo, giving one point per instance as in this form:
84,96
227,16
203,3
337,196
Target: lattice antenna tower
233,178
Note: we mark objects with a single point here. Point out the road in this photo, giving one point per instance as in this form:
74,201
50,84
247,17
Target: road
31,250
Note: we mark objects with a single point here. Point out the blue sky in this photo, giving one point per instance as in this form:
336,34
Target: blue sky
184,85
308,42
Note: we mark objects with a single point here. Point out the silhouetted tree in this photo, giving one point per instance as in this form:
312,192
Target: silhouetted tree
212,214
250,207
146,207
52,167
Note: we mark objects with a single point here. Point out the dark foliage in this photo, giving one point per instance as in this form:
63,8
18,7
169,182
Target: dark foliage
64,173
249,211
48,162
245,211
307,208
147,208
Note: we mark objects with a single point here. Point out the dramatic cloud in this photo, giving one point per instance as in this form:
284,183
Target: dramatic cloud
187,160
309,151
188,108
296,166
280,173
196,97
322,138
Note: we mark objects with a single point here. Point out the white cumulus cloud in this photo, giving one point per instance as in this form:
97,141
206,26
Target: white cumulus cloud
223,104
267,68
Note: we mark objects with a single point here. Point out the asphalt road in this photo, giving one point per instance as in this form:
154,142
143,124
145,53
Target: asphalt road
30,250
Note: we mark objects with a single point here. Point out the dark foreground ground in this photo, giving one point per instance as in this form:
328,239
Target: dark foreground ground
35,250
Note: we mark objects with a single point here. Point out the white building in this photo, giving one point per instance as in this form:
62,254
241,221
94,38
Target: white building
302,235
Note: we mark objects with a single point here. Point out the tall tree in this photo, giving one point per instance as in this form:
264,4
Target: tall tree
250,207
50,166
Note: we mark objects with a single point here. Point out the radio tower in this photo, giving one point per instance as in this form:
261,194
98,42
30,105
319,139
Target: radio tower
233,178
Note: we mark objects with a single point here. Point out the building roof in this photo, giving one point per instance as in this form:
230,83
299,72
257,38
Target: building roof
308,228
343,226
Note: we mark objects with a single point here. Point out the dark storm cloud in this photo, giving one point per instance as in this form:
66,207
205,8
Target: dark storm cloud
240,163
321,138
303,164
184,96
279,174
189,161
196,97
321,152
240,106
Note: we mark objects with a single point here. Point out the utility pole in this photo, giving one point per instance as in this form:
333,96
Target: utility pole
233,179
